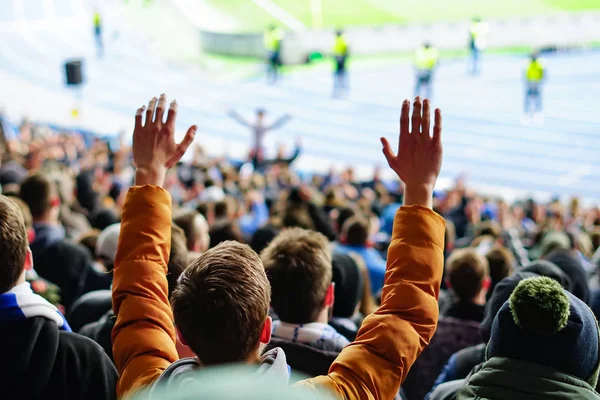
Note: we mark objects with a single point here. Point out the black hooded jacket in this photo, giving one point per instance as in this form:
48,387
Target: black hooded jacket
41,362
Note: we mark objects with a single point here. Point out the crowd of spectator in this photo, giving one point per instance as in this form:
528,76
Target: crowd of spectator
124,270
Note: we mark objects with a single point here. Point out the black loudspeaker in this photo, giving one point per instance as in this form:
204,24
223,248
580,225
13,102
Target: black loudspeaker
73,72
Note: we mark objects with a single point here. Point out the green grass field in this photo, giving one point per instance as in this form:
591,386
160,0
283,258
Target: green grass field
248,16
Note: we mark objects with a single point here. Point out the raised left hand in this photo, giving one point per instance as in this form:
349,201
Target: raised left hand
154,148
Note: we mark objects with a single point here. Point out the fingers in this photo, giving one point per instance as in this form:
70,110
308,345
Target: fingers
160,109
183,146
387,151
437,127
150,111
416,118
404,123
172,114
426,119
138,117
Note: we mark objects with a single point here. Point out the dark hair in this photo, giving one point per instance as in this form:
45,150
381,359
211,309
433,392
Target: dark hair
223,231
296,217
178,257
298,264
344,214
262,237
13,244
466,271
221,302
38,191
500,261
356,231
88,240
221,209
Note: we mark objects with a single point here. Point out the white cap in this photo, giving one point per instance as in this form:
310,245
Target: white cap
108,240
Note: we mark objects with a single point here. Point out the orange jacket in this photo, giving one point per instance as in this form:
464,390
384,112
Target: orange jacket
372,367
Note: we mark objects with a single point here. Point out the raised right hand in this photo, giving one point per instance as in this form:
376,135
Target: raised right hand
419,157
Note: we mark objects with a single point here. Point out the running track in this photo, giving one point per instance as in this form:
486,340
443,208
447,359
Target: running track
483,135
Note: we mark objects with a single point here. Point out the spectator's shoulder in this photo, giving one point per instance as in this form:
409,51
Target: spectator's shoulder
87,366
82,350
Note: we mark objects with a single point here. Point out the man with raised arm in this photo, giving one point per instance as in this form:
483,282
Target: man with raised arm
259,129
221,303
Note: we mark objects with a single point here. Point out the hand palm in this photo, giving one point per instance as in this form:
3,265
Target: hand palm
419,157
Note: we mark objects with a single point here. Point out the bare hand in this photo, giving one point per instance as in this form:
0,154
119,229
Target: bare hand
419,157
154,147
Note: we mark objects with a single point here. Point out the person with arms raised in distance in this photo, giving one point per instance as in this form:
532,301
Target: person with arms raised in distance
41,357
259,128
221,303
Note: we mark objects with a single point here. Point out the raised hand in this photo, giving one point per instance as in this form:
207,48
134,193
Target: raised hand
419,157
154,147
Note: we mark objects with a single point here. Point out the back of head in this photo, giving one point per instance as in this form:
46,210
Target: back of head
221,209
296,216
223,231
500,261
347,277
466,271
568,262
356,231
221,302
38,191
262,237
544,324
298,264
344,214
102,218
178,256
13,244
195,228
546,268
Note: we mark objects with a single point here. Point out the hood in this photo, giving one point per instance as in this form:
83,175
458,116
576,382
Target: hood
30,368
181,374
503,378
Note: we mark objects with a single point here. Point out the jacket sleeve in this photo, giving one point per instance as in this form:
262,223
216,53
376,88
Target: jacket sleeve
144,334
390,339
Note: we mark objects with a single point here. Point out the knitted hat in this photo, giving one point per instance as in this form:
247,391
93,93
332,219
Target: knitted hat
500,295
348,285
544,324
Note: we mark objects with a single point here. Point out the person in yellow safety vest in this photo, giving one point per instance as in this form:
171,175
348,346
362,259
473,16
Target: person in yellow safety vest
98,34
426,60
535,74
273,39
477,43
340,55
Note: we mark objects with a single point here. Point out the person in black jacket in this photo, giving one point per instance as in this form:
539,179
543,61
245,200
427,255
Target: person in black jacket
61,262
41,358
